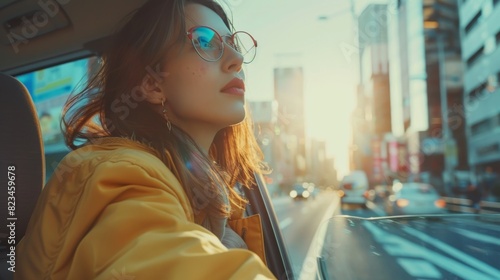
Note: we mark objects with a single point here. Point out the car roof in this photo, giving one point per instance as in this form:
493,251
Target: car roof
79,29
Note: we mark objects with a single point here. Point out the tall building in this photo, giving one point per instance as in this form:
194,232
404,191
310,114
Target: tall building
372,116
374,62
427,87
291,150
480,33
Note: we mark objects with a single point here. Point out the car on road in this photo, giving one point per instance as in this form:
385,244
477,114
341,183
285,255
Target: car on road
414,199
353,188
301,191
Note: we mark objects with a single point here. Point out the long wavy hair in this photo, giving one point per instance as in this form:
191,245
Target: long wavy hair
113,97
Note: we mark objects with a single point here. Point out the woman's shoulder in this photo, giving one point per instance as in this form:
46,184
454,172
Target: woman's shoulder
112,156
113,149
112,166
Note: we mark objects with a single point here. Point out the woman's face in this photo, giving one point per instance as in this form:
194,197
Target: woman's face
196,98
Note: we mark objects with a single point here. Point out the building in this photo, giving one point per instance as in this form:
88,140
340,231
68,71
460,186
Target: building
427,88
289,95
372,116
480,34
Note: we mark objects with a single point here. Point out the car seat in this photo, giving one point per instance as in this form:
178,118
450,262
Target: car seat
21,154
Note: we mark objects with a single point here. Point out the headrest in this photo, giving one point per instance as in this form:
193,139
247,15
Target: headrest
22,161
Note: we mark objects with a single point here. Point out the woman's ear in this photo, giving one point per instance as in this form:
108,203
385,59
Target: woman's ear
152,90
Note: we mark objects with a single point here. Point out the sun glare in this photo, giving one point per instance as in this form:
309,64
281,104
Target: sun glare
329,74
328,109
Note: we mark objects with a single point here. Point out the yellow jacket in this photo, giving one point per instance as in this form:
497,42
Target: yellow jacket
113,210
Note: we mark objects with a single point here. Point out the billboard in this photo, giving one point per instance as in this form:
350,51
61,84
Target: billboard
50,88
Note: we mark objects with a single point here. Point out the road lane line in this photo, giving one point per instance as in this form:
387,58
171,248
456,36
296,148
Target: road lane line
478,236
286,222
419,268
454,252
310,265
280,200
400,248
482,225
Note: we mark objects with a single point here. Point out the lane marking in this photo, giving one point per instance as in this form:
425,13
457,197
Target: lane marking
399,247
286,222
483,226
310,265
419,268
454,252
478,236
281,200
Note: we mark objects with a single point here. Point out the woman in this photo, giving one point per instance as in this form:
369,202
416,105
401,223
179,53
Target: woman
149,194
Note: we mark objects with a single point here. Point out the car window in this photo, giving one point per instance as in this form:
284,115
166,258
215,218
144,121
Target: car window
417,188
50,88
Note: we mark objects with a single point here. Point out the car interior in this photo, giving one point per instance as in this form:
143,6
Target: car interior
37,34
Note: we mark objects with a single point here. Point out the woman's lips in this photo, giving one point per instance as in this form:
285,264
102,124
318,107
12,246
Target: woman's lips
235,86
235,91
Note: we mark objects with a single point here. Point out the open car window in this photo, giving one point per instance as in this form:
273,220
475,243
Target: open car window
49,89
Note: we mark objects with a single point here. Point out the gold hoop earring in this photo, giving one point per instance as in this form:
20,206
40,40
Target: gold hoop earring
164,111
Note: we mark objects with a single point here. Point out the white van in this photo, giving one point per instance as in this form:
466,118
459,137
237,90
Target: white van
353,188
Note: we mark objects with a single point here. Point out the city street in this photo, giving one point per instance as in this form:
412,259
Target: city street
299,221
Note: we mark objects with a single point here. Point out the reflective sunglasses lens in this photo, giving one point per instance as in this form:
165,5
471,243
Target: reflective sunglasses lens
245,45
207,43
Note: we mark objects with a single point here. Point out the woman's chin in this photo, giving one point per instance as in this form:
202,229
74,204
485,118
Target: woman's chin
236,119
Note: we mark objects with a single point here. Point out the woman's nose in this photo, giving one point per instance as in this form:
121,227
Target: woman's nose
232,59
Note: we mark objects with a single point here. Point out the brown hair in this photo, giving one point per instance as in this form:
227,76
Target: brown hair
113,95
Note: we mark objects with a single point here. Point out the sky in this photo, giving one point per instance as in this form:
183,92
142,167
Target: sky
319,37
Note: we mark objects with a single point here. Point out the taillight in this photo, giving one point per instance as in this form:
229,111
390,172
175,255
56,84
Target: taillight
440,203
402,202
